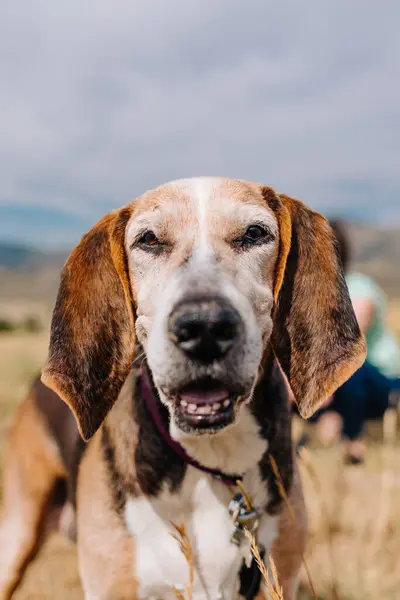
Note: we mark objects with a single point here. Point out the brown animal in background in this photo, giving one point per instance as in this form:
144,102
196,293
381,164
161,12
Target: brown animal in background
171,318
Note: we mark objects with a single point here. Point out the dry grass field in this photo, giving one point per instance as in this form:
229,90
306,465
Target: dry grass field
354,512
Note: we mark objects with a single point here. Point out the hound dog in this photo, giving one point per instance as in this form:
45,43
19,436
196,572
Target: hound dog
172,316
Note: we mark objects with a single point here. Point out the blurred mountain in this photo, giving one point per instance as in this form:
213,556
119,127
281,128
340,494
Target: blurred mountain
376,252
13,256
30,274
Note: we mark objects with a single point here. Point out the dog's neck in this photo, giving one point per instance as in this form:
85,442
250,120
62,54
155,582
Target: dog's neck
235,449
140,456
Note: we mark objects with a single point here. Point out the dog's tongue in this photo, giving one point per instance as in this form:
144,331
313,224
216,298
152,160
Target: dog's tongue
205,397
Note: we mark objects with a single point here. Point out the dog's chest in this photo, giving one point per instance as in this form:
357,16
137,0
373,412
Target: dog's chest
202,506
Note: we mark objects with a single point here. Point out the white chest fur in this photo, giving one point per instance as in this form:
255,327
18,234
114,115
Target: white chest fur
202,505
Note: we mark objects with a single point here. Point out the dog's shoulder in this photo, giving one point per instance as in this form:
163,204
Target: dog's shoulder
137,460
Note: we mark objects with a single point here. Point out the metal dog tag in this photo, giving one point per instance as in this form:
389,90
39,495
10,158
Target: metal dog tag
243,518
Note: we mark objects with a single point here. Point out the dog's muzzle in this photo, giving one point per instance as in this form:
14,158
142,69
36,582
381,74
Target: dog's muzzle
206,332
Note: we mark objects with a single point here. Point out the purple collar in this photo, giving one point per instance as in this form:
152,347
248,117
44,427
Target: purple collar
152,403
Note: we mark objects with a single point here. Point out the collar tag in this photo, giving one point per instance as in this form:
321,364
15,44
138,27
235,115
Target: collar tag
244,516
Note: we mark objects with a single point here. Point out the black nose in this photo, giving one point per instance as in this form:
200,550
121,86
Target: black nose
204,329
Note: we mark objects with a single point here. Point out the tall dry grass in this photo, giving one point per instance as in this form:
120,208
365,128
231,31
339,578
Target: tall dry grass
181,536
354,516
269,573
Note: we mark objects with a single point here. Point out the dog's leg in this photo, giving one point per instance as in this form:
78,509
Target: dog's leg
31,468
105,550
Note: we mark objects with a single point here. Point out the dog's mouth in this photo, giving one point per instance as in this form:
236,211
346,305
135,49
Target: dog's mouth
205,404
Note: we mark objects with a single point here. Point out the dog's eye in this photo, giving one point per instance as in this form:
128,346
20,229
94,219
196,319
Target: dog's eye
149,242
255,234
149,239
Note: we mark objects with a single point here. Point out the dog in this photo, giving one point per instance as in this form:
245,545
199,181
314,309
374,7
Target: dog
174,321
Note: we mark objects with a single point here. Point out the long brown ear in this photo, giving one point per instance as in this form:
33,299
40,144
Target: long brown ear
316,338
92,337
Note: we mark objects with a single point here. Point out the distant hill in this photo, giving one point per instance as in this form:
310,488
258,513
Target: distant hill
30,274
376,252
13,256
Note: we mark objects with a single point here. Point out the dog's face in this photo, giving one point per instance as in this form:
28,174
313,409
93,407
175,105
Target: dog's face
206,273
202,257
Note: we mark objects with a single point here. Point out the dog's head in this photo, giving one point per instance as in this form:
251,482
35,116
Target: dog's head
206,273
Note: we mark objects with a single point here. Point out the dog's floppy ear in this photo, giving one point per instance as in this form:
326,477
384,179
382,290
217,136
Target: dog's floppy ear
92,339
316,338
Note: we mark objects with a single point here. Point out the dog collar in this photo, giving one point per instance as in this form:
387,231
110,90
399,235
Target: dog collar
152,401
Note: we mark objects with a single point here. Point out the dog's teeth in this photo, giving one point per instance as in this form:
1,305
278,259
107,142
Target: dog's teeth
192,408
227,402
204,410
184,403
216,406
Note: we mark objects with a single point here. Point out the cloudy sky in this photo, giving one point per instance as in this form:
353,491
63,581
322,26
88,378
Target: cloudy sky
101,100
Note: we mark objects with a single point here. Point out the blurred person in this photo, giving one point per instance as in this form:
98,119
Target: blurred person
375,386
369,303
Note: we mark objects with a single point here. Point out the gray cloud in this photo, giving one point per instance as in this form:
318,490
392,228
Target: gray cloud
103,100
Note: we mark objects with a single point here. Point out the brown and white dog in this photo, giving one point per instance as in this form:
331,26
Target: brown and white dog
171,317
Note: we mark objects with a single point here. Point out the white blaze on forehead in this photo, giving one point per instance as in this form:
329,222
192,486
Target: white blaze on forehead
201,192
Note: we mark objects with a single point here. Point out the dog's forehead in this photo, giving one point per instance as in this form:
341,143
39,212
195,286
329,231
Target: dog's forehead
199,194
